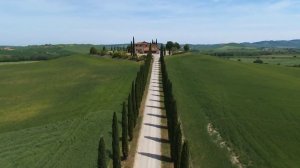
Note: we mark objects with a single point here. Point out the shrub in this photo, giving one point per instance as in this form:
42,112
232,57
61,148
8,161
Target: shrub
93,51
258,61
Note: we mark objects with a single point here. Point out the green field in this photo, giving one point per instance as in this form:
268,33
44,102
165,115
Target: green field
254,108
47,52
285,60
52,113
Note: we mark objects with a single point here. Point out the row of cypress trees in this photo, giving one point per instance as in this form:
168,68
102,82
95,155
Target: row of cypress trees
129,119
179,145
130,116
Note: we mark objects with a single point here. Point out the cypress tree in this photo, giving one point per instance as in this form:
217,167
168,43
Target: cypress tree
150,49
161,50
115,143
130,118
137,92
133,46
101,154
124,132
136,100
185,156
134,110
178,145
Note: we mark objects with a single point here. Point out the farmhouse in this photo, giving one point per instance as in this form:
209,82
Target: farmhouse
143,48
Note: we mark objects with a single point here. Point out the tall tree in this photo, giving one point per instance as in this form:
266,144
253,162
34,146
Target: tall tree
176,46
161,50
133,47
115,143
93,51
169,46
186,48
101,154
134,109
185,155
178,145
124,132
150,49
130,118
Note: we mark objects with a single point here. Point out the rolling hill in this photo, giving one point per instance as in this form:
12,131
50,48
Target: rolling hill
53,113
237,114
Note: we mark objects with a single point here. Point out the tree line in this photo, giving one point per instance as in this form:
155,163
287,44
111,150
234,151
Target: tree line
115,52
130,116
174,46
179,145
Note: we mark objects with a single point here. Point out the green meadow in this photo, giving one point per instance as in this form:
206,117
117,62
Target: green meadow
53,113
284,60
235,112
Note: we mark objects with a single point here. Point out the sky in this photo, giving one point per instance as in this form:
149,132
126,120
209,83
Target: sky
27,22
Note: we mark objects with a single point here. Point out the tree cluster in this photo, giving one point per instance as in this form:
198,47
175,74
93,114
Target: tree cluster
102,52
179,145
172,46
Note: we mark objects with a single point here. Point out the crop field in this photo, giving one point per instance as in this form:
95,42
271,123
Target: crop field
53,113
237,114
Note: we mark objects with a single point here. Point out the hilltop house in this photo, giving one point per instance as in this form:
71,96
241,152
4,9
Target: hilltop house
143,48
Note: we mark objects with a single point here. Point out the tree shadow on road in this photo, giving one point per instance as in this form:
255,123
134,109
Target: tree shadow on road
156,115
156,126
161,140
162,108
157,157
160,101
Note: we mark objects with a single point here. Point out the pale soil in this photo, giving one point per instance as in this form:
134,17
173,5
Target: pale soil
218,139
20,62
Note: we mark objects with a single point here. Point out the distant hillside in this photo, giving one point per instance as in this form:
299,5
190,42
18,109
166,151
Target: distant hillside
261,44
275,44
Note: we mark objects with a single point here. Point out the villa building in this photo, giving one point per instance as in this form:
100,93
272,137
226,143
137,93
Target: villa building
143,48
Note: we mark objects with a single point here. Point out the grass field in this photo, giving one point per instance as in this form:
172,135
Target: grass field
47,52
254,108
52,113
285,60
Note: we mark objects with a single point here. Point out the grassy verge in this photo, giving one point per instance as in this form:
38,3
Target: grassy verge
53,112
254,108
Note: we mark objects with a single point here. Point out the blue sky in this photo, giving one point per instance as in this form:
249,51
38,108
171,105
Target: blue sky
24,22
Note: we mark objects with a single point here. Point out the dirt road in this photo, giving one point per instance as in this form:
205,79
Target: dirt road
149,153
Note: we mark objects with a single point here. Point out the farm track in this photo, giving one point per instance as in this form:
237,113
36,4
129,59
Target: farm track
149,151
